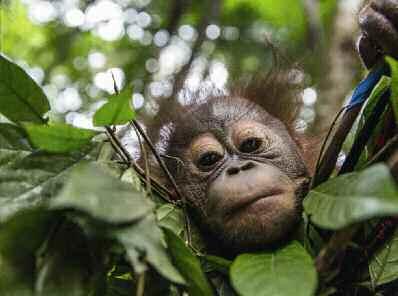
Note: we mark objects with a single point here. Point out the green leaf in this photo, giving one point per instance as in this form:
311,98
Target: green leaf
27,179
352,198
146,238
383,267
282,272
21,99
171,217
188,264
394,85
101,195
58,137
116,111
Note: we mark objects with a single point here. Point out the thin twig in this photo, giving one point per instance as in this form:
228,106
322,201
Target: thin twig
126,154
145,155
129,161
332,126
385,152
141,284
168,175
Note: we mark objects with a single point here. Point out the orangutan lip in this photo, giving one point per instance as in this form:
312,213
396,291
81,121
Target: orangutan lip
245,202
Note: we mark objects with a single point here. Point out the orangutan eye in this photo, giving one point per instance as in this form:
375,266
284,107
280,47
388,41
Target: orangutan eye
250,145
209,159
206,151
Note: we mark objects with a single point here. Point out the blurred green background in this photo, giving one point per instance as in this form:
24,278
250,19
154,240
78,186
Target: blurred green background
72,48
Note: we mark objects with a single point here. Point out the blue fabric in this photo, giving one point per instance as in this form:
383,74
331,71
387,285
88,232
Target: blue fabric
365,87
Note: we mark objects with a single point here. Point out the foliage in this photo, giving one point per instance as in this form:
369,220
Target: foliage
116,111
353,198
76,220
286,271
21,98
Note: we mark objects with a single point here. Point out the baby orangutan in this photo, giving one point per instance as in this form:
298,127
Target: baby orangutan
238,164
237,158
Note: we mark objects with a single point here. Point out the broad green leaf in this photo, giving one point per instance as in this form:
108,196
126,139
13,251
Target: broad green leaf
383,267
283,272
171,217
20,238
27,179
352,198
116,111
103,196
188,264
21,99
58,137
394,85
146,238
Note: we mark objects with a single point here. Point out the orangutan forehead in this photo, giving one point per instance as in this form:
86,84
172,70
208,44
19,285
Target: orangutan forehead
214,116
226,110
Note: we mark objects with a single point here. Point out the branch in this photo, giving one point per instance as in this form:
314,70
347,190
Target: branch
170,178
129,161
